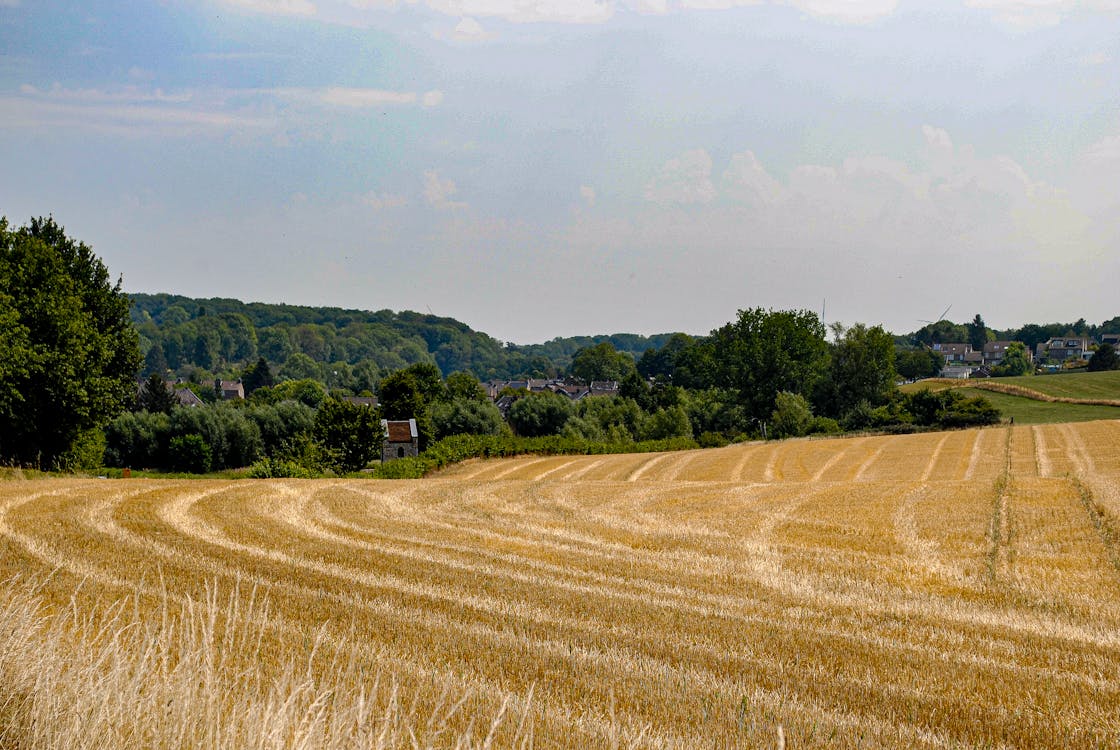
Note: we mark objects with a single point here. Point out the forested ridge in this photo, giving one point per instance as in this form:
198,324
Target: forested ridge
344,348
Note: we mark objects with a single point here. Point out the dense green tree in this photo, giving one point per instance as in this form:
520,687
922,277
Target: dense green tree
1016,361
350,434
914,364
765,352
429,380
860,368
978,334
281,424
299,366
401,398
137,439
949,408
940,332
466,416
539,414
155,361
666,423
635,387
464,386
154,395
307,391
190,453
601,362
257,375
70,353
1104,358
607,419
791,417
234,439
662,362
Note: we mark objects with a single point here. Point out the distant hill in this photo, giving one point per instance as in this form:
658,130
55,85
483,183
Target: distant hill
346,348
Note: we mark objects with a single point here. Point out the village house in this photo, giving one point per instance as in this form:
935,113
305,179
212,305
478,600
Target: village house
230,390
995,351
1064,348
401,439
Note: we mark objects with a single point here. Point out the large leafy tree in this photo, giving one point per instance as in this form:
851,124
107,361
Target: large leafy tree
861,368
350,433
1104,358
1016,361
68,350
402,397
539,414
601,362
765,352
155,395
977,333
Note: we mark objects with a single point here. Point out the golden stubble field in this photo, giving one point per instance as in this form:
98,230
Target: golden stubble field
938,590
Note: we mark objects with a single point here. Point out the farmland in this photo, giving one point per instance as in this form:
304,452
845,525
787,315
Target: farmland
935,590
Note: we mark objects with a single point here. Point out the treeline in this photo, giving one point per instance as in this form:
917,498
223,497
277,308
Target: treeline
200,339
70,354
977,333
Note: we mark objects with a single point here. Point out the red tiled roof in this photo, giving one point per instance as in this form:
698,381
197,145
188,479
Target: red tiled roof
399,432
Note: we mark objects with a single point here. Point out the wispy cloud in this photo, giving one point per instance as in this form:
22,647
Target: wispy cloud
383,201
135,110
438,191
358,97
683,180
275,7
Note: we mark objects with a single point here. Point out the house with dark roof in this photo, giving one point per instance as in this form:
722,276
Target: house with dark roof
1060,349
187,397
995,351
401,439
229,390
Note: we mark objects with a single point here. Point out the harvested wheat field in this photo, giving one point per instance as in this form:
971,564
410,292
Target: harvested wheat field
956,589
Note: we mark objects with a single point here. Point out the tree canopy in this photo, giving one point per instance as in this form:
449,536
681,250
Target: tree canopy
765,352
68,351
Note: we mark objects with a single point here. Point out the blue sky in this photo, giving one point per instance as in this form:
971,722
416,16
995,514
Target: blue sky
539,168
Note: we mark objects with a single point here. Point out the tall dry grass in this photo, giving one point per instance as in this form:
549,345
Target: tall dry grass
183,676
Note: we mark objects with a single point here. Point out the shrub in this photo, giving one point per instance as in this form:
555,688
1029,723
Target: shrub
277,468
791,417
189,453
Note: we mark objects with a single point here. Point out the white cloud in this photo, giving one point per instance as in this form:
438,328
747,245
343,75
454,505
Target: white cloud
358,97
276,7
119,94
469,30
529,11
655,7
126,111
1107,149
439,190
937,138
687,179
1094,59
381,201
1027,15
745,179
587,193
1015,14
846,11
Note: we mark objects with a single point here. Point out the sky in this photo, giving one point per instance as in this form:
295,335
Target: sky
543,168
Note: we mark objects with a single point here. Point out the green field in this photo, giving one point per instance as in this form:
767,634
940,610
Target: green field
1089,385
1031,411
